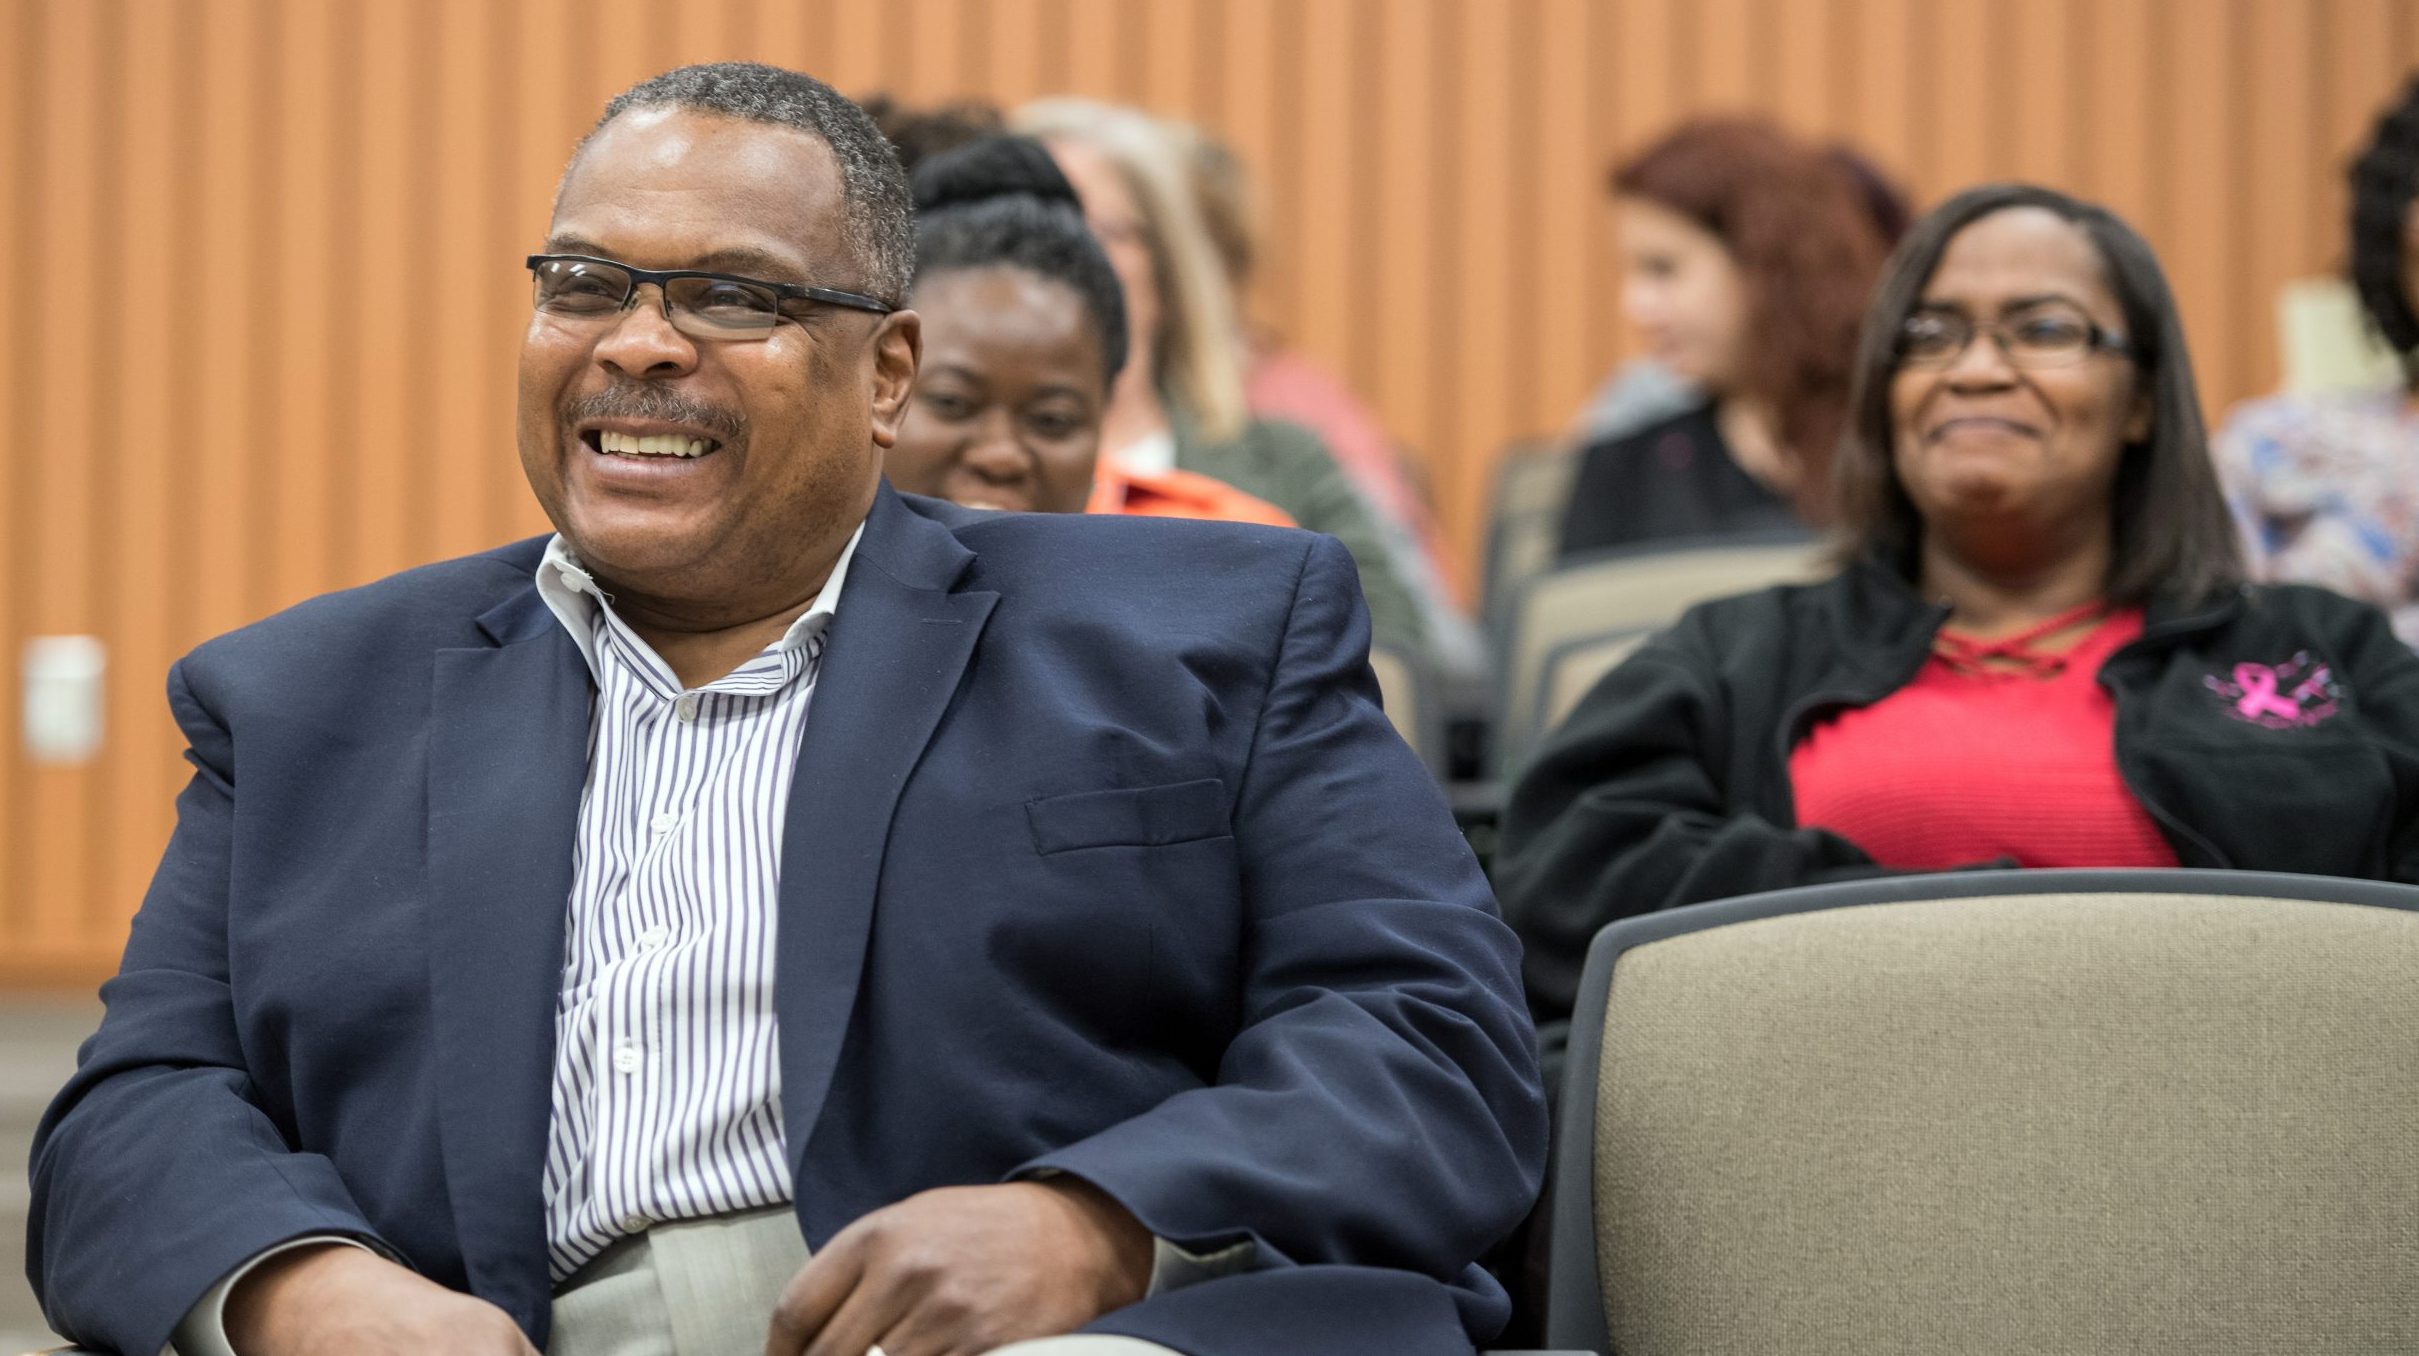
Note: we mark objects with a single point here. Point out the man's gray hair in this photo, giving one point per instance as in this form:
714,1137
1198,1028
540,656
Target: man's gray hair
880,217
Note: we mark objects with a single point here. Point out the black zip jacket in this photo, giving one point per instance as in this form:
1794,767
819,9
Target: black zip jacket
2274,728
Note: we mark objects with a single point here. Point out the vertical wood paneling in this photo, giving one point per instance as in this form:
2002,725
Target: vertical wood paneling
1966,143
1175,71
2039,40
1874,59
1404,234
1093,45
2120,167
316,209
1014,64
300,409
140,622
929,36
227,416
1482,301
2278,48
1521,203
381,407
1565,206
65,560
1326,184
1255,128
1805,40
2202,244
452,210
1724,56
20,30
21,234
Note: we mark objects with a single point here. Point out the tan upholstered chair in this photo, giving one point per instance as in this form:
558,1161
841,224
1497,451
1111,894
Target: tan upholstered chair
1524,521
1577,665
2140,1112
1410,697
1621,595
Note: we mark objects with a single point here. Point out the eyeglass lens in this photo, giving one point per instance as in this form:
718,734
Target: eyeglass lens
2052,337
704,307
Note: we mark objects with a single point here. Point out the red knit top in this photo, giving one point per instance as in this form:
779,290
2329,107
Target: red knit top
1996,749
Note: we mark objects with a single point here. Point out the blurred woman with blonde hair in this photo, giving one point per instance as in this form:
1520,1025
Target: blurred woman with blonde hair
1179,403
1280,382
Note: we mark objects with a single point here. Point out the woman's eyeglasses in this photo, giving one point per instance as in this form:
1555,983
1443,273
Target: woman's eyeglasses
2054,336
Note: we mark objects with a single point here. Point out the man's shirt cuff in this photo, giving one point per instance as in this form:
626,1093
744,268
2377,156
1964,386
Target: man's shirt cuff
1172,1268
203,1332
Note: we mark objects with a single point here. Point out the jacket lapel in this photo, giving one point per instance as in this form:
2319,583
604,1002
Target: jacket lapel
507,758
899,644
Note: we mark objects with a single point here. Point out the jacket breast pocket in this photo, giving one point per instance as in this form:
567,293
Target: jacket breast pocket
1142,816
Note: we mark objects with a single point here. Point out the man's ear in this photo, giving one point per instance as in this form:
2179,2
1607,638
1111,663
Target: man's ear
897,348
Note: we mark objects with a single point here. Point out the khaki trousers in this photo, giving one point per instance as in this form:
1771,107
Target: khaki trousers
707,1288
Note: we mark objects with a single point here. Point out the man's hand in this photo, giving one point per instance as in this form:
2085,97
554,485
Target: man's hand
337,1300
961,1270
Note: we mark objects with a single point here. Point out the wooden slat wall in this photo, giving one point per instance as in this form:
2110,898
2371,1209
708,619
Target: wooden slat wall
262,252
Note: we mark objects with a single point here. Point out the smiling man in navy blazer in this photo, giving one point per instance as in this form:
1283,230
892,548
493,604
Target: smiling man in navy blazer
1033,916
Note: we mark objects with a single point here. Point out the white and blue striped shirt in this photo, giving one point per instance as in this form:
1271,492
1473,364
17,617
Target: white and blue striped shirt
667,1083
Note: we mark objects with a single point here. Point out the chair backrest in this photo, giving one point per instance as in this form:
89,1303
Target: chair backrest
1524,521
1410,704
1570,670
2052,1111
1630,592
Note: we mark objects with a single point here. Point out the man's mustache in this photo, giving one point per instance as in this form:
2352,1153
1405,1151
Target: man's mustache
634,400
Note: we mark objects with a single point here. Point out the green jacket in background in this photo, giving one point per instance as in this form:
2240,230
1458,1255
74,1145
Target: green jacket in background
1289,467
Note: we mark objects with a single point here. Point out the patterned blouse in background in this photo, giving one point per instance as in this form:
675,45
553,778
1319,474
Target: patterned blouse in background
2326,490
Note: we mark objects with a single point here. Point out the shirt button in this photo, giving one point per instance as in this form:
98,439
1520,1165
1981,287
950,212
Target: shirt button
572,577
653,937
686,707
627,1058
666,822
634,1224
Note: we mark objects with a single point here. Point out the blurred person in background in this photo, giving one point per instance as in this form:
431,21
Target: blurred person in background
2038,651
1024,334
918,134
1642,391
1279,382
1179,403
2326,484
1747,258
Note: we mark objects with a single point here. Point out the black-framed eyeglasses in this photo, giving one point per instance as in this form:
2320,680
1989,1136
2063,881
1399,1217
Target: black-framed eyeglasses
577,287
2044,336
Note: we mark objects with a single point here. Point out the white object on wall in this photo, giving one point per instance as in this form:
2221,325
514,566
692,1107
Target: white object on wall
63,697
2327,342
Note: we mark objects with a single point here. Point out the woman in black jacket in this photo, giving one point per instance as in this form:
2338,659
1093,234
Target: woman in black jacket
2039,650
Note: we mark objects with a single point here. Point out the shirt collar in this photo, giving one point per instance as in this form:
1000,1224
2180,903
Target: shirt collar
572,595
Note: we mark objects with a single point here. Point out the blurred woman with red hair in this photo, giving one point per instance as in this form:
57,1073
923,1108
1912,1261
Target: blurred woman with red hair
1747,259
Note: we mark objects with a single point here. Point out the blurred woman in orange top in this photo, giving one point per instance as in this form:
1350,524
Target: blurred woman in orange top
1024,333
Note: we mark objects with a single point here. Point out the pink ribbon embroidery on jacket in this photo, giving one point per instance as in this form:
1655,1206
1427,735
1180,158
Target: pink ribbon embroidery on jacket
2295,694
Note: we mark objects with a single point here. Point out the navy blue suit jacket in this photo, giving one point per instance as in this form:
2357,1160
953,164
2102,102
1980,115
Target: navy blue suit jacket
1101,857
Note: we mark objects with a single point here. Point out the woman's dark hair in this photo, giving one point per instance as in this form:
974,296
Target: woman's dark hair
2384,180
918,134
1808,228
2173,535
1001,202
